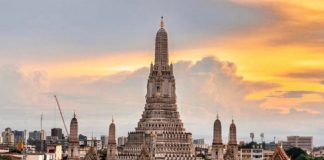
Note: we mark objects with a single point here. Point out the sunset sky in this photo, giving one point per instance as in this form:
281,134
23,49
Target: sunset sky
260,62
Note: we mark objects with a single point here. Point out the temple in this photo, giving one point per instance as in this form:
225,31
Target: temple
160,133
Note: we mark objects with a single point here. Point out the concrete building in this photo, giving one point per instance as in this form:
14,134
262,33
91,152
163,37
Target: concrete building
1,139
104,141
303,142
34,157
199,141
34,135
8,137
251,154
53,152
94,143
19,136
121,141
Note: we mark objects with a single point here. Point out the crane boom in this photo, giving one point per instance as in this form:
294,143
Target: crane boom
59,107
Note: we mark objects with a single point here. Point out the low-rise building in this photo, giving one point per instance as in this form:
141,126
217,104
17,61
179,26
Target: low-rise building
53,152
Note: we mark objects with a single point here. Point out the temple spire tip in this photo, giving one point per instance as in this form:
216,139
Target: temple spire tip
162,22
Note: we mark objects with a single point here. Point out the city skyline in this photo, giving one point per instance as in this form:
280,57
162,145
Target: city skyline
258,62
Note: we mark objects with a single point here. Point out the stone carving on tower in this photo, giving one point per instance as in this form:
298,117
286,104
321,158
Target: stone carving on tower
74,147
111,146
232,147
217,146
160,126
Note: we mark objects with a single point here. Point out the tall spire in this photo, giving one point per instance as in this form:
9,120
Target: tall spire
161,46
232,133
217,139
111,146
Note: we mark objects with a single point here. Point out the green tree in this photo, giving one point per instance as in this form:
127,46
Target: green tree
297,154
4,157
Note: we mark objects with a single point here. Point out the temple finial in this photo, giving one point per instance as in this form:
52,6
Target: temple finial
162,22
112,119
74,115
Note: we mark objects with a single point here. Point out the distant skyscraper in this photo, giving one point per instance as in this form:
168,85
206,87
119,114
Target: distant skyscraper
199,141
112,146
121,141
104,141
8,137
232,147
217,146
19,136
57,132
74,146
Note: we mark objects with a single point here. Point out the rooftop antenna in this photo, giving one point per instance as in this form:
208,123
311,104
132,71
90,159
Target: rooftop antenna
42,121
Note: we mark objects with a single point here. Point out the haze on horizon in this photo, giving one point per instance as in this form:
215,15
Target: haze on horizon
261,62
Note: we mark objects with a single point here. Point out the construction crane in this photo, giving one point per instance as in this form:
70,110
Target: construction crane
59,107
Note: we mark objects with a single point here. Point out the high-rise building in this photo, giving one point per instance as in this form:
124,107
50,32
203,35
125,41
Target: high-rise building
217,146
121,141
160,132
104,141
1,139
19,136
74,146
8,137
34,135
303,142
112,146
57,132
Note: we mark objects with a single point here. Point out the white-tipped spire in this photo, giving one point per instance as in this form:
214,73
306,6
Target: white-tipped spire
162,22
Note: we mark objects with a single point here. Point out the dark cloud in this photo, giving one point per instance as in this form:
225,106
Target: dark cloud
322,82
307,74
293,94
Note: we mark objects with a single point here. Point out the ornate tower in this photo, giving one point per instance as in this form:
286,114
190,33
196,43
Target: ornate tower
217,146
232,147
112,147
74,147
160,126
